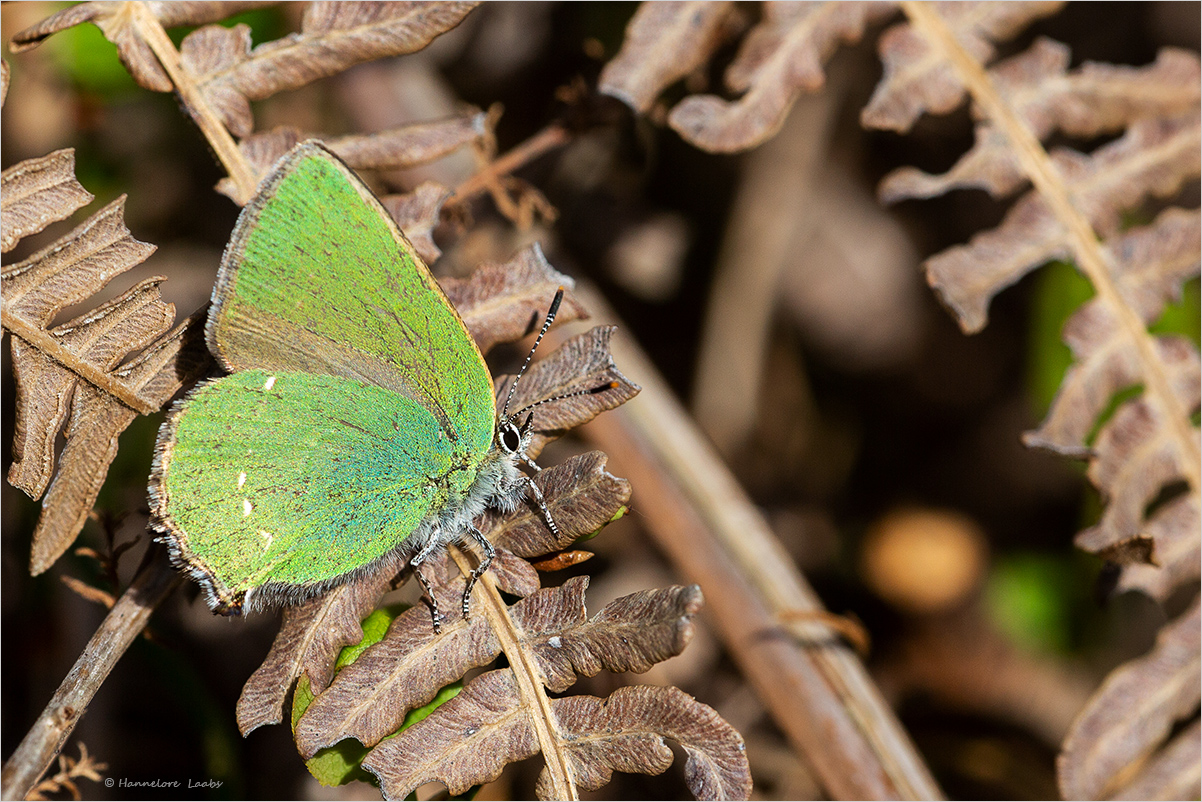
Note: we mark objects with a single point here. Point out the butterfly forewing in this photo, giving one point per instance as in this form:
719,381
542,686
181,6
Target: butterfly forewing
318,278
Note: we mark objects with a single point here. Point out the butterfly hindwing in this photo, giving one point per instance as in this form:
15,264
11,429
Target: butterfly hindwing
284,478
318,278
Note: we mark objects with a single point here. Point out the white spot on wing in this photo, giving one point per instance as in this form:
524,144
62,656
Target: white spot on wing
246,507
555,642
241,479
267,385
267,538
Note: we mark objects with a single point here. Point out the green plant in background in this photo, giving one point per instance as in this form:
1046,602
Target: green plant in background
1059,290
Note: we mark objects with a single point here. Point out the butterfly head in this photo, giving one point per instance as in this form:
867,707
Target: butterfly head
513,439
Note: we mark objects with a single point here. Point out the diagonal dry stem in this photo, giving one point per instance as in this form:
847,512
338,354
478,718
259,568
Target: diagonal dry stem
551,137
51,346
529,679
207,120
815,688
1087,250
128,617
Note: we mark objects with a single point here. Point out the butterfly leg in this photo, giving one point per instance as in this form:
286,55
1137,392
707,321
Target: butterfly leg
489,554
539,500
416,563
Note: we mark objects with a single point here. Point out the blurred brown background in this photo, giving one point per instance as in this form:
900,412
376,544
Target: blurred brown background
782,303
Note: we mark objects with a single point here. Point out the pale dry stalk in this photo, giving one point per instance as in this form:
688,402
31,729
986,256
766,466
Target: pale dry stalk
124,622
222,142
529,682
816,689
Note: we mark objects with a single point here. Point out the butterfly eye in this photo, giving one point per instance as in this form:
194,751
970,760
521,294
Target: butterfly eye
511,438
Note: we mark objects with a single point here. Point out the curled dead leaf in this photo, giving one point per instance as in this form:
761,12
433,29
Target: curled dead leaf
476,734
38,192
618,734
1173,529
562,560
1152,158
513,575
664,42
632,633
113,19
310,637
781,57
582,363
1090,100
919,79
405,146
468,740
1172,773
369,698
505,302
581,497
333,38
1151,264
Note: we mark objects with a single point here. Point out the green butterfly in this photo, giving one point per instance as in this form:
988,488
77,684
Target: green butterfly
357,428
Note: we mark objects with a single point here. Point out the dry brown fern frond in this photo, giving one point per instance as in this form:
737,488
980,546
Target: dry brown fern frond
217,73
1137,706
783,57
780,58
1145,456
94,373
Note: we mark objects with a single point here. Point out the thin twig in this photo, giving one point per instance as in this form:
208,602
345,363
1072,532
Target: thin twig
207,120
128,617
814,686
530,685
1088,252
551,137
850,629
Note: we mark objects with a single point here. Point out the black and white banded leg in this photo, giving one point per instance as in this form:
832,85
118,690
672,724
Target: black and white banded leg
538,497
478,571
416,563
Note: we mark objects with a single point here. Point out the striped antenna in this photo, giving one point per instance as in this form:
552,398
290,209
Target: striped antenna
546,325
612,385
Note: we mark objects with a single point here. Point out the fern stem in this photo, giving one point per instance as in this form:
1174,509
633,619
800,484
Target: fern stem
124,622
529,680
815,688
206,119
49,345
1089,253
